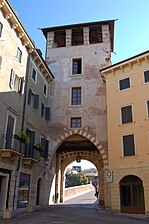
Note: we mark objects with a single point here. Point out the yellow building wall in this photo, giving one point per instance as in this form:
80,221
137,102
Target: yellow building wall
136,95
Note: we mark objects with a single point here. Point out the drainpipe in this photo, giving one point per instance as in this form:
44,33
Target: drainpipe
22,126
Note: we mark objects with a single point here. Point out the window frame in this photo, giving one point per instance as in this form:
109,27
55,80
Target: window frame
124,89
45,93
146,72
147,108
124,153
73,60
35,80
16,82
132,114
76,119
76,96
19,55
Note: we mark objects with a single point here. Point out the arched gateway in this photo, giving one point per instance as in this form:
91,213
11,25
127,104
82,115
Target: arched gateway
69,146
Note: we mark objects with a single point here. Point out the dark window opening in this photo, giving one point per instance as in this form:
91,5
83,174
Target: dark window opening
1,28
126,113
76,96
148,108
34,75
124,84
45,90
77,37
146,76
95,34
77,66
128,145
60,38
76,122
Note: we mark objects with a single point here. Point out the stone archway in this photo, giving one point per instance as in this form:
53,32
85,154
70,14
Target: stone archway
72,143
90,137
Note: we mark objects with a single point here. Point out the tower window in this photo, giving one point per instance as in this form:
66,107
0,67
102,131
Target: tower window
76,66
76,122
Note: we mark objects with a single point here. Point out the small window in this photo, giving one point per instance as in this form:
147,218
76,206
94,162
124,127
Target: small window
126,114
76,96
1,28
77,37
128,145
76,66
148,108
16,82
34,75
19,55
146,76
124,84
45,89
76,122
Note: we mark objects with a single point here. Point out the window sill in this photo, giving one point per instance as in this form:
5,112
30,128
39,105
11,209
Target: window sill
75,128
75,75
131,156
130,123
74,106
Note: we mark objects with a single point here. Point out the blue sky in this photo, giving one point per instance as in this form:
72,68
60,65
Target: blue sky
131,28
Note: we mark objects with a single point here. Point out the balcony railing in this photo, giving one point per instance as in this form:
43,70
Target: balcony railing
11,143
15,146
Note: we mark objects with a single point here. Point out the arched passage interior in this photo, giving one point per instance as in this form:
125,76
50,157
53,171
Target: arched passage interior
67,152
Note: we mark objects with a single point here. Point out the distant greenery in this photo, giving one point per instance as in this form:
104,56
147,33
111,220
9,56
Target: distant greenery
75,179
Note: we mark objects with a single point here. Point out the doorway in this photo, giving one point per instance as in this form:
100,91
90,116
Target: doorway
38,191
132,195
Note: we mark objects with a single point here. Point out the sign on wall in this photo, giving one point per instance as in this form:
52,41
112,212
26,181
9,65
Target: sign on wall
109,176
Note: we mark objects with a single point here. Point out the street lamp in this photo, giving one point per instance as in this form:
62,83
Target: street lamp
78,158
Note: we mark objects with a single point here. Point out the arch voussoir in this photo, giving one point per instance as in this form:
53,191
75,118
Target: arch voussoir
91,138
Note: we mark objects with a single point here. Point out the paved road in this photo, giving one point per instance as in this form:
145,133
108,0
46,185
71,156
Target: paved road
81,210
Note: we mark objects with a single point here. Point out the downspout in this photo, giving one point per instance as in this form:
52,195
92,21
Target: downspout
22,127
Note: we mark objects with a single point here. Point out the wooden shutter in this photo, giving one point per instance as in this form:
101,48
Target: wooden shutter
128,144
47,113
126,114
42,109
46,149
20,85
9,132
36,102
29,96
12,79
31,144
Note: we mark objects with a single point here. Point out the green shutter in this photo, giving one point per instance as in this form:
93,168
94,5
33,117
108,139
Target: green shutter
47,113
29,96
36,102
20,85
46,149
42,109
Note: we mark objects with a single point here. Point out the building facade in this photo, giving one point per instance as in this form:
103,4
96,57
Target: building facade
24,99
78,127
127,90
